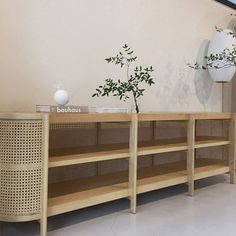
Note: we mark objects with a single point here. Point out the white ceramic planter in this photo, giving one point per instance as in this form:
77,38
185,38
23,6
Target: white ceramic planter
219,42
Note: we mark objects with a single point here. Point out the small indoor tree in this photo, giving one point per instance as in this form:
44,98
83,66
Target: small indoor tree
132,86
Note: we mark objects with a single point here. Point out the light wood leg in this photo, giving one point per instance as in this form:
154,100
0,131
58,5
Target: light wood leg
232,148
43,227
133,163
153,135
44,198
98,142
190,155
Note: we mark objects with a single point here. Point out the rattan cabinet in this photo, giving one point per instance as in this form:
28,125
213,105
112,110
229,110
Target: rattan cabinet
24,168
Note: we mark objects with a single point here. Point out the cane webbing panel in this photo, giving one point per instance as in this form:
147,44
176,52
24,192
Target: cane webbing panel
72,126
21,163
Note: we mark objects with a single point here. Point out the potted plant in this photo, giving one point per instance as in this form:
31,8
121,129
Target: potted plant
132,86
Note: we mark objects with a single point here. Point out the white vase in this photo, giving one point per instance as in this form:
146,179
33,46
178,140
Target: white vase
61,97
221,41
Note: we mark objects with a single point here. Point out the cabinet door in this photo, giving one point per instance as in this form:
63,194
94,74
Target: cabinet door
22,166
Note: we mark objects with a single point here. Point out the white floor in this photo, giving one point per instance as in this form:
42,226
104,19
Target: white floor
167,212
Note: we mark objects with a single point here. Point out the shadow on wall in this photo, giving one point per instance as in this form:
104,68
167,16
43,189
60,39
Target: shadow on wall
232,24
203,83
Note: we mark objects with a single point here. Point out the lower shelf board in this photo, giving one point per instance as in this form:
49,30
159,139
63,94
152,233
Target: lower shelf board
73,201
161,181
71,195
208,167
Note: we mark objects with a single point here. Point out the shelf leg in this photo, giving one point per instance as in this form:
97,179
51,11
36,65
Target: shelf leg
232,148
225,150
190,155
133,163
43,227
153,135
44,194
98,143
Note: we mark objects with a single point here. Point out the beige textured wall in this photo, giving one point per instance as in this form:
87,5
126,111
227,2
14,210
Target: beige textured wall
49,42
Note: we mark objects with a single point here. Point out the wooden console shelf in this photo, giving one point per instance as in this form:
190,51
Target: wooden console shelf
71,195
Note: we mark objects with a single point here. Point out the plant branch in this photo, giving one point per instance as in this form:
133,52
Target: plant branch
132,84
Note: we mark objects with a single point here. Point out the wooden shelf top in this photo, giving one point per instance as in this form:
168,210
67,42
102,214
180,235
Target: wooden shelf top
183,116
127,117
162,116
56,118
212,116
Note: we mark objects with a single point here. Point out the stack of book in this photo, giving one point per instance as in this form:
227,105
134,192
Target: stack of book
61,109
